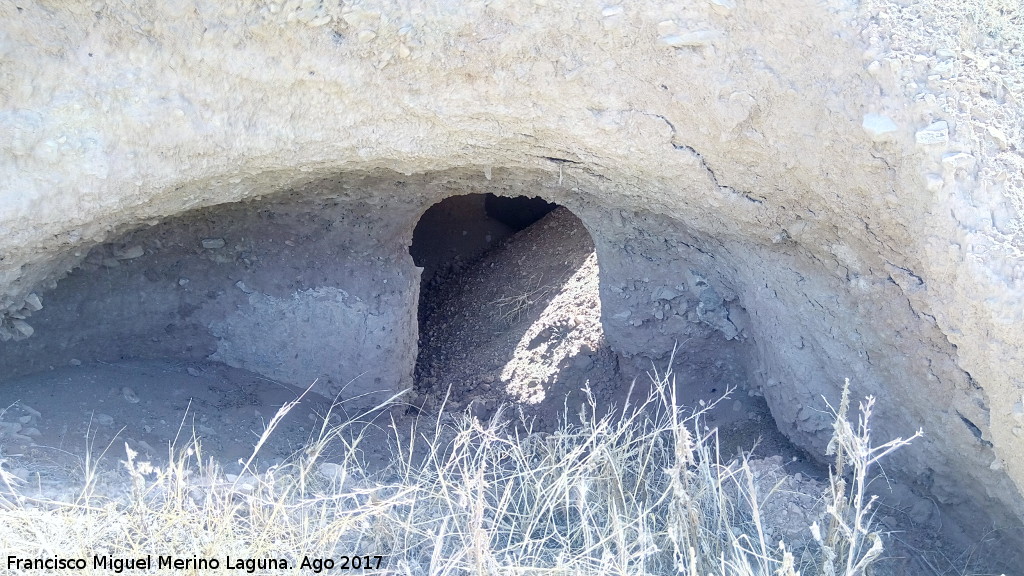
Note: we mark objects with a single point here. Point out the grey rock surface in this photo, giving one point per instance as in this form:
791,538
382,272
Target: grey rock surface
784,162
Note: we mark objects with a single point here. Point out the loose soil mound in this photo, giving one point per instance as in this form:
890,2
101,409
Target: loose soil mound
522,325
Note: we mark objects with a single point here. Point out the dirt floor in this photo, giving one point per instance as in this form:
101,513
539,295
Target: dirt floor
52,421
520,326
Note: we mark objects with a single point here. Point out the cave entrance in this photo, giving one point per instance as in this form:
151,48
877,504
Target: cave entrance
460,229
509,308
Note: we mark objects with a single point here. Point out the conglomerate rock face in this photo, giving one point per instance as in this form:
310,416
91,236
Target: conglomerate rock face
839,185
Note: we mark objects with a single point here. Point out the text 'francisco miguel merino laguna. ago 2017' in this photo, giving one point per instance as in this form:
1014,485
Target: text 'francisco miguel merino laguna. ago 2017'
168,562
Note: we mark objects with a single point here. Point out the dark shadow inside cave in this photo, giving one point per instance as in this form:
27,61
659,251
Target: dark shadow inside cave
510,312
509,308
460,229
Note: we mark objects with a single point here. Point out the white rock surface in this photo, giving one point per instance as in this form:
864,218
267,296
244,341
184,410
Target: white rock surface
879,127
934,133
770,154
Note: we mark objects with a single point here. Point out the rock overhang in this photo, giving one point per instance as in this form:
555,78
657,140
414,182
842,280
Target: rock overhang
745,145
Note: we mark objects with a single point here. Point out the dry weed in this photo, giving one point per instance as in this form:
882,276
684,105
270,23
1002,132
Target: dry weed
635,493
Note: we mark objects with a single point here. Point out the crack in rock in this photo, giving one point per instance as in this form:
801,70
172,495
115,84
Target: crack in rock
703,162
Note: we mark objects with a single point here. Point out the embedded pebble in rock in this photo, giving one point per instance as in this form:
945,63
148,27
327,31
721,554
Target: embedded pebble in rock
999,137
691,39
129,253
23,328
129,395
332,471
723,6
144,446
935,133
33,302
958,160
878,127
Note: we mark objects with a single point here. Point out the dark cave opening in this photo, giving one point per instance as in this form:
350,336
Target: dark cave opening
504,278
460,229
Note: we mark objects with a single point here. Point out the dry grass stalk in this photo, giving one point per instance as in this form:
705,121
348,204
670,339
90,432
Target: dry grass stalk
634,493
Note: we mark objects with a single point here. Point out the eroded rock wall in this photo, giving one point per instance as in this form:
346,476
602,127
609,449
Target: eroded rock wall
848,185
811,326
311,286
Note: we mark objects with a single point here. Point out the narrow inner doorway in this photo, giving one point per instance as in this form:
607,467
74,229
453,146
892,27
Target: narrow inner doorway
509,308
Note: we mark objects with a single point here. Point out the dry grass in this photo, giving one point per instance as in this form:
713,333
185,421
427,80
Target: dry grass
636,493
509,310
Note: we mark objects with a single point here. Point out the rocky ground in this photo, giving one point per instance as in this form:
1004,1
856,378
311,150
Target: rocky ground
57,426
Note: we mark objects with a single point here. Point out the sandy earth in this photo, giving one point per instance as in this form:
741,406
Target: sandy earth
519,326
52,420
